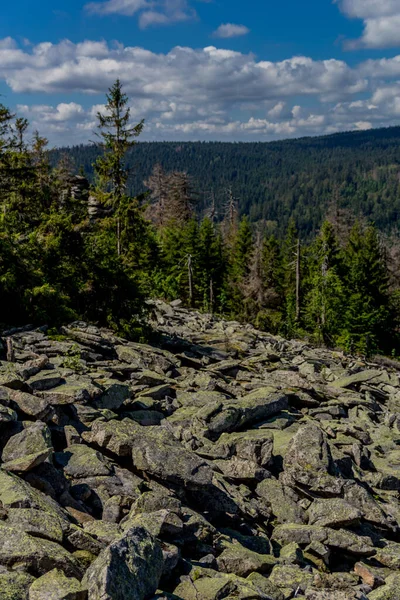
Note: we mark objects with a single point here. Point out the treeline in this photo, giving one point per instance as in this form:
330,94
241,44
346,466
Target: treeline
340,290
60,261
303,179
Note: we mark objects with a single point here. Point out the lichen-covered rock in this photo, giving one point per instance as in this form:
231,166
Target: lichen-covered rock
14,585
254,445
333,512
227,463
240,560
35,555
27,449
341,539
211,585
291,579
16,493
284,502
390,591
154,451
54,585
80,461
36,522
308,463
130,567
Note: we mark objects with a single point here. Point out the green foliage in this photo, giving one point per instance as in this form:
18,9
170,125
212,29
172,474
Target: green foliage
59,263
354,173
73,359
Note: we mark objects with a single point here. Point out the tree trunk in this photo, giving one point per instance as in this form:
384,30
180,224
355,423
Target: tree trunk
298,275
190,278
211,296
118,236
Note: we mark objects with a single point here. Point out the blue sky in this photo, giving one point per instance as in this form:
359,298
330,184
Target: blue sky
197,69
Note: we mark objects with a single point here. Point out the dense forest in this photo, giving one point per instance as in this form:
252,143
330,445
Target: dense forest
70,251
303,179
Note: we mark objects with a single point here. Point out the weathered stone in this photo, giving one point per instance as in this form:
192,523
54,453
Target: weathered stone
333,512
283,501
292,578
114,396
32,406
154,451
308,463
14,585
357,378
16,493
56,586
346,541
80,461
36,522
130,567
256,446
27,449
240,560
390,591
35,555
238,469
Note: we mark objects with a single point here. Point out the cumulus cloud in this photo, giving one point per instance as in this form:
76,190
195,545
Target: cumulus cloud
151,12
381,22
120,7
206,93
202,75
230,30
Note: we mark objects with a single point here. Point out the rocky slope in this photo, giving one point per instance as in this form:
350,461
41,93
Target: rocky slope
224,463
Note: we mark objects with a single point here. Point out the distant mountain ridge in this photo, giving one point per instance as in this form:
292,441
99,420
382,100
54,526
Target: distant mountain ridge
273,181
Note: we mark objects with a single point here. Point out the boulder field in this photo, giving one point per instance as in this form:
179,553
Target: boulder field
219,463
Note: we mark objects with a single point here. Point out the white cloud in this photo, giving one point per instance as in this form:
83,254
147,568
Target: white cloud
369,9
230,30
207,93
204,75
120,7
381,22
151,12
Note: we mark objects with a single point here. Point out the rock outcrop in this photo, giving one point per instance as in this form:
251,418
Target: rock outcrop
221,462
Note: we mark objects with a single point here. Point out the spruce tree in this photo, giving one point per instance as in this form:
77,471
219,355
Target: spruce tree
290,263
325,299
117,136
240,264
367,314
210,265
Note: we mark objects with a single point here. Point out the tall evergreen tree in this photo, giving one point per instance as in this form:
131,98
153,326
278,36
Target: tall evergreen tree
117,136
325,299
290,263
367,311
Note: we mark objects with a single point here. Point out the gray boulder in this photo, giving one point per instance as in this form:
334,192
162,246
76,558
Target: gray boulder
129,568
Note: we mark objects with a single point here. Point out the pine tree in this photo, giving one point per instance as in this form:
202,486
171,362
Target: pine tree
325,299
367,311
117,137
291,260
240,264
158,184
181,198
210,265
20,128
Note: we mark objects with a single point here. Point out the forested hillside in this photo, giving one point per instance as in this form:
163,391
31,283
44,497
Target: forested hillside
304,179
70,250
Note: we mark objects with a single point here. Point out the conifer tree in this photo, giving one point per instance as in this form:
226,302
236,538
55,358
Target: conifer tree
117,136
240,263
367,277
158,183
290,265
325,300
210,265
